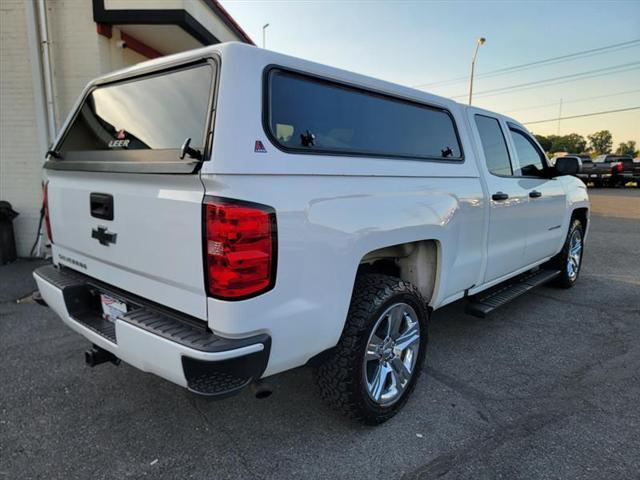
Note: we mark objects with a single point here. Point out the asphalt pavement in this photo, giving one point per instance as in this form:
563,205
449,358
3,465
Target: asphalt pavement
548,387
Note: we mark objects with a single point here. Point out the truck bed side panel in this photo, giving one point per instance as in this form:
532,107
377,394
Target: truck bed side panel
326,224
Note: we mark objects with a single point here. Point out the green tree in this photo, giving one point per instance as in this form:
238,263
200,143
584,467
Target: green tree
572,143
544,142
627,148
601,142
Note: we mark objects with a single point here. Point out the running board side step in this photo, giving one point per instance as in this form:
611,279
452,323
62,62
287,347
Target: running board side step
482,304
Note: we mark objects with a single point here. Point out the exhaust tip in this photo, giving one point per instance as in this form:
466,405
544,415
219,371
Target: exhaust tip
261,390
37,297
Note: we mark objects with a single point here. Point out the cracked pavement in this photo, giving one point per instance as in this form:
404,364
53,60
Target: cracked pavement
548,387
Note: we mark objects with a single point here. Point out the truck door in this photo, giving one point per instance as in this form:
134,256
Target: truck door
546,206
508,198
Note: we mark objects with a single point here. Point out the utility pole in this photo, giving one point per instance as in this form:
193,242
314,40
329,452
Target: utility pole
559,116
480,41
264,35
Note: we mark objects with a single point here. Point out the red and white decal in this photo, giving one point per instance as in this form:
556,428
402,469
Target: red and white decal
259,147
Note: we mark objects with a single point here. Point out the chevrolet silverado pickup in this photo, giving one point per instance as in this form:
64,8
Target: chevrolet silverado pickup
225,214
609,170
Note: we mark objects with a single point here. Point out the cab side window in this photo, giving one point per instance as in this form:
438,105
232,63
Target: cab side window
531,160
494,146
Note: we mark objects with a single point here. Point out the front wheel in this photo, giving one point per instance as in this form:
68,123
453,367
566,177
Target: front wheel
569,260
374,368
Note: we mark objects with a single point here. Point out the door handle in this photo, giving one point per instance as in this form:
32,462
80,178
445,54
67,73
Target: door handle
499,196
101,205
535,194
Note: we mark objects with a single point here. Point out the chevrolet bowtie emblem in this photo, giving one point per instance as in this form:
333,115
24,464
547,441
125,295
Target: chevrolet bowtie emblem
103,236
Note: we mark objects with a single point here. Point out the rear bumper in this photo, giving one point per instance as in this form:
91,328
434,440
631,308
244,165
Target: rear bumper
160,342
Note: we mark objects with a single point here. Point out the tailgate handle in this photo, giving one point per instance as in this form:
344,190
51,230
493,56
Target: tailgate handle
102,206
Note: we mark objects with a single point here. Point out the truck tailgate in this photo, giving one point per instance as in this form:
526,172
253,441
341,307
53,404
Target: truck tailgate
153,245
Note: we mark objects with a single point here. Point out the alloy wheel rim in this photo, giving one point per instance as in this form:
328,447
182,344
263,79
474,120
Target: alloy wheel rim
575,255
391,354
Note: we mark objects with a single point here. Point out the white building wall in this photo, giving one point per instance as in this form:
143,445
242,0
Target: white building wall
78,54
20,156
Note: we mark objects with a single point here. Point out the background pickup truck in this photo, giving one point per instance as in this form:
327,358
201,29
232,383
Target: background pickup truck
226,214
609,170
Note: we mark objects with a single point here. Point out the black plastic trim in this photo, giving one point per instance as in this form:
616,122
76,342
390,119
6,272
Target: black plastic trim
225,377
266,113
101,205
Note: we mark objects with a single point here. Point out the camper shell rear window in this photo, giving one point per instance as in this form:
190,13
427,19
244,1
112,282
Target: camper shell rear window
140,122
308,114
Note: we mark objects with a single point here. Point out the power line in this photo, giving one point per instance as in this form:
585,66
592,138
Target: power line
577,100
583,115
544,62
558,80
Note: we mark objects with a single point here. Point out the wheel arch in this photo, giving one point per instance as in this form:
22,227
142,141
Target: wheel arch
417,262
581,214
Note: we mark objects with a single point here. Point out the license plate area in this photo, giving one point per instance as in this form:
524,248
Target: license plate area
112,308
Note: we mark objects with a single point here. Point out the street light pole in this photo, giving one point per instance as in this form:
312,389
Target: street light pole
480,41
264,35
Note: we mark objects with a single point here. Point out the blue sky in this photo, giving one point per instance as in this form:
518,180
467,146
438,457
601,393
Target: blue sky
419,42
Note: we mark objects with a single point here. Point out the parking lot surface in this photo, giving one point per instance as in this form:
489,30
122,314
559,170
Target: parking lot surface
546,387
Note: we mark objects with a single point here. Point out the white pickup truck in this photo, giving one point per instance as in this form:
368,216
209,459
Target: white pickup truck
229,213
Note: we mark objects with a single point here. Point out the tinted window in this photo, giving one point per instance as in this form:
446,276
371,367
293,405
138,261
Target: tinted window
494,146
157,112
529,157
311,114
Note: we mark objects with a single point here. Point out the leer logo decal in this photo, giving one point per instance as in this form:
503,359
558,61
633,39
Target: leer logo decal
121,142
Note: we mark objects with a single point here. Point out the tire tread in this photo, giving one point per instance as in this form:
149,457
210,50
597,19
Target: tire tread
338,377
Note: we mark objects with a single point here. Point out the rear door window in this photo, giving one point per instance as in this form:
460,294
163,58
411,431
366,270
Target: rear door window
156,112
316,115
494,145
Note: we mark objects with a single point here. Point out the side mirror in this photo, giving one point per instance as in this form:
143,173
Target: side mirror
568,166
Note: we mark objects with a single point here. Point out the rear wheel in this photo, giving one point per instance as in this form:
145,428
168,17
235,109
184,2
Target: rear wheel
374,368
569,260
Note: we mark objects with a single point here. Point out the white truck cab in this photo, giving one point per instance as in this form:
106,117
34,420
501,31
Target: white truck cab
229,213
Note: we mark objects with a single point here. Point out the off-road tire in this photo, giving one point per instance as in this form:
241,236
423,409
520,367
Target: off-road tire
340,377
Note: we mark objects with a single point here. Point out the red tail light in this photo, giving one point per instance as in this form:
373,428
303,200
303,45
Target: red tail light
240,248
619,167
45,203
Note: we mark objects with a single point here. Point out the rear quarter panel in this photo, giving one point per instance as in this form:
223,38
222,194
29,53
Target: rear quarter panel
331,211
326,224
